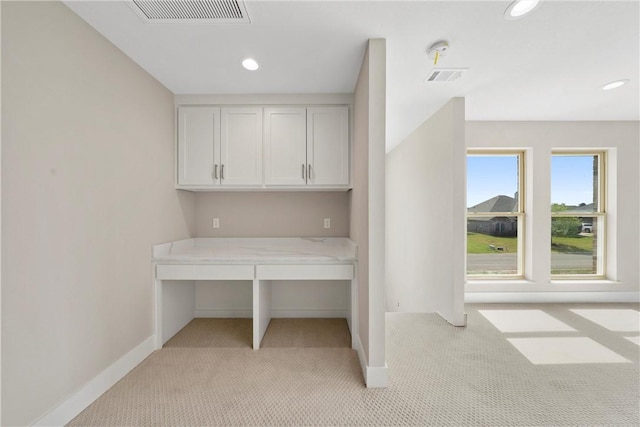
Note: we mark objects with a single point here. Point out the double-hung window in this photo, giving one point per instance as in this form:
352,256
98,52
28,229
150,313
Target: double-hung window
578,214
495,214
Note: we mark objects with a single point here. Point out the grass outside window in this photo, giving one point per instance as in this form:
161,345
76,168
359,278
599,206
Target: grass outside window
495,214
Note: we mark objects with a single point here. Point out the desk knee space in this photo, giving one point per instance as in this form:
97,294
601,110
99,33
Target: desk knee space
175,292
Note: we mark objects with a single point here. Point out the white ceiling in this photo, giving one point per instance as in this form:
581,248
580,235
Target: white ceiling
549,65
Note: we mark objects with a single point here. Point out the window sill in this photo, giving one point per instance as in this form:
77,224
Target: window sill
572,281
492,281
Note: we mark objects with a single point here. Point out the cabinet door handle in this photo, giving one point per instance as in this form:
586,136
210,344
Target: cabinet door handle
222,172
303,177
309,171
215,172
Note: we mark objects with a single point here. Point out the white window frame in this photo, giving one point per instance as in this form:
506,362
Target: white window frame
600,215
519,213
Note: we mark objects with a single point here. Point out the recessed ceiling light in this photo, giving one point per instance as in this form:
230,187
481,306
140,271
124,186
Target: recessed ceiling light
615,84
250,64
519,8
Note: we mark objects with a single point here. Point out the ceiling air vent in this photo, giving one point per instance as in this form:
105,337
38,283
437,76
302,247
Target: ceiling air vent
191,11
445,74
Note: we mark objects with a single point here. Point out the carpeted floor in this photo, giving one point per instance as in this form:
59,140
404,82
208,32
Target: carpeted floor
439,375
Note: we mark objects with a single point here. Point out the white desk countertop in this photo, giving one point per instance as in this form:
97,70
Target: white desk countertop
256,251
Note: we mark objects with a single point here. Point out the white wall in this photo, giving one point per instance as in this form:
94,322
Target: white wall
0,225
426,217
367,207
537,139
87,188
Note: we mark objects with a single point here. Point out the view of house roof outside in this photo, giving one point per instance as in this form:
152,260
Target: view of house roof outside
492,241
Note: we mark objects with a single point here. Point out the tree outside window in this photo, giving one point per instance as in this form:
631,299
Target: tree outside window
577,215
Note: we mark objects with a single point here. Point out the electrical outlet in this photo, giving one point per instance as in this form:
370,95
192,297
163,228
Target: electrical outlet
327,223
216,222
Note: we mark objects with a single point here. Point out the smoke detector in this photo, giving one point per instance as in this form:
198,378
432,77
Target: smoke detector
444,74
437,50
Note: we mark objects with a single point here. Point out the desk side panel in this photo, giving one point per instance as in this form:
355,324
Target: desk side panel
177,306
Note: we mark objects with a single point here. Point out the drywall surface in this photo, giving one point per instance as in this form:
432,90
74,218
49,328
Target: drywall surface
426,217
619,140
359,201
87,188
272,214
367,201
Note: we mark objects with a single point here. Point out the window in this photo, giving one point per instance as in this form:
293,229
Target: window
578,214
495,214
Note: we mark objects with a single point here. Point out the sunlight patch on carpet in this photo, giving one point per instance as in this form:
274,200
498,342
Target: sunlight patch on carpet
565,350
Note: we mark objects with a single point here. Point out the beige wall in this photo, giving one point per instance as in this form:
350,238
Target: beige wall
426,226
367,206
87,188
359,201
272,214
0,226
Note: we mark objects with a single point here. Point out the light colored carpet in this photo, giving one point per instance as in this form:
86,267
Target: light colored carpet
215,333
307,333
222,333
439,375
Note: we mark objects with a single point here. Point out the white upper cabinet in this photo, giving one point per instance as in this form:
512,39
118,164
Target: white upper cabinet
241,147
328,146
307,147
198,137
219,147
285,136
254,148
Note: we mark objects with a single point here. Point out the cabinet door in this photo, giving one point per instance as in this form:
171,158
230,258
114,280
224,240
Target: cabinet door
285,146
328,146
198,142
241,147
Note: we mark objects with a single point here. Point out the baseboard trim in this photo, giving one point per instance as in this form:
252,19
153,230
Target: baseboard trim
550,297
374,376
458,324
308,313
275,313
96,387
224,313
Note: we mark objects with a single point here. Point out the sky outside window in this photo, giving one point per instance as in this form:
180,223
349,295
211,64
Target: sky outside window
491,176
572,179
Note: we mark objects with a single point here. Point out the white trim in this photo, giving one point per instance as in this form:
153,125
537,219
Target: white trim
551,297
462,322
240,313
552,286
246,313
377,376
374,376
359,348
309,313
266,99
71,407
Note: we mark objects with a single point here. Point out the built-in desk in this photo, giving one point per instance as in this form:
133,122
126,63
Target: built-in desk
176,265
